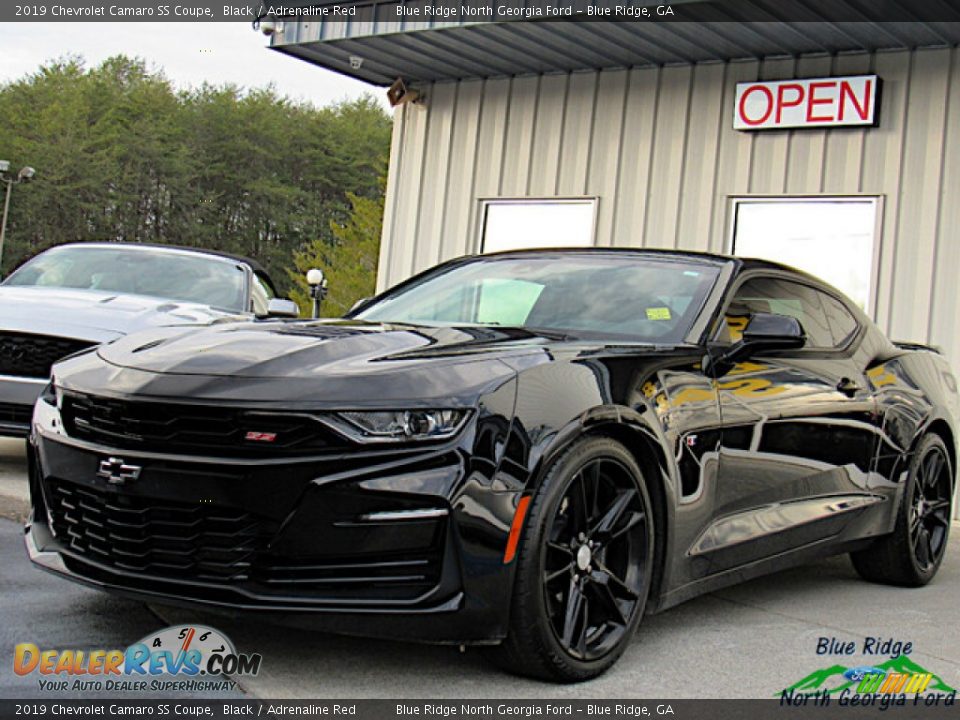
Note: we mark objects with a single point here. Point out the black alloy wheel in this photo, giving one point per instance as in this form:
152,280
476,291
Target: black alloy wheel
912,554
584,566
594,561
930,509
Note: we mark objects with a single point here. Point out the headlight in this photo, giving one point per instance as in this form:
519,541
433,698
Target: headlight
51,394
46,411
400,425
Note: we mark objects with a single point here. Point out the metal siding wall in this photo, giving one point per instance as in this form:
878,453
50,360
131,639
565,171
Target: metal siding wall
643,91
919,194
606,140
657,147
668,164
545,149
944,293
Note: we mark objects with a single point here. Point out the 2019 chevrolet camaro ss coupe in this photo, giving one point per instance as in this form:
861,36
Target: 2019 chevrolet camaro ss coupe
527,451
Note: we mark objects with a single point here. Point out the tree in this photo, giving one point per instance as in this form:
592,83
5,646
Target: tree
349,262
121,155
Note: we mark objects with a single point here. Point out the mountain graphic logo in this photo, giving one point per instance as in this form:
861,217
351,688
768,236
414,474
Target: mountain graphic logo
837,678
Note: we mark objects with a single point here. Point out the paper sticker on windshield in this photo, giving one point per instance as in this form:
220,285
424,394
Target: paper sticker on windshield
658,313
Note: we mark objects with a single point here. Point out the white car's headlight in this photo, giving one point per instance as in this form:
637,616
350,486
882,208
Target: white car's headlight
399,425
46,411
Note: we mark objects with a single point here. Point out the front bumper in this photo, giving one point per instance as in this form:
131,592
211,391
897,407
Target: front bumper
406,546
17,396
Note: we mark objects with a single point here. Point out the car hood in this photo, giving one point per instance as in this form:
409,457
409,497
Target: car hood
94,315
309,349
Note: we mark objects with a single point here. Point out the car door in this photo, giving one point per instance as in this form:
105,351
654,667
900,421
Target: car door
798,428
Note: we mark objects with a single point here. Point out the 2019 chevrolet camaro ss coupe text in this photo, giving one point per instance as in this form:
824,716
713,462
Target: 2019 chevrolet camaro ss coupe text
527,451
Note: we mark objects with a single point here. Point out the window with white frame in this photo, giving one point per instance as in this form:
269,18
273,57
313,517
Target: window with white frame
832,238
536,223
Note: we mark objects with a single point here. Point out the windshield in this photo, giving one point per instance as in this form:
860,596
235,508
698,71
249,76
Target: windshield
640,298
178,276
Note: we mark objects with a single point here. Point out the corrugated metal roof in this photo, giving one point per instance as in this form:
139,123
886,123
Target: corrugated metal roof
373,45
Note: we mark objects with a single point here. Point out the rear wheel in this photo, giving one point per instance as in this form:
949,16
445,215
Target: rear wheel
913,553
583,571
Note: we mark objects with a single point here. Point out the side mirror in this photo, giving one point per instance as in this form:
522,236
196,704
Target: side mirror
282,308
765,333
769,332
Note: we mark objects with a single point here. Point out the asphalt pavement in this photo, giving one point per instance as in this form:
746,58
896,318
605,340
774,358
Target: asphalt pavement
748,641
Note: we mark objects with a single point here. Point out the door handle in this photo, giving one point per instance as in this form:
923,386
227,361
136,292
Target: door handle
848,387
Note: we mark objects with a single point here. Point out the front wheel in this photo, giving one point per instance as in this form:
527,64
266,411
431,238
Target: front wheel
912,554
584,567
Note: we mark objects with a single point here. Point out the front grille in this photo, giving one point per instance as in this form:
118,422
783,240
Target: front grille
32,356
196,542
13,414
192,429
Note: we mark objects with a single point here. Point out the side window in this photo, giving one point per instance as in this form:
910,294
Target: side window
773,295
842,323
260,294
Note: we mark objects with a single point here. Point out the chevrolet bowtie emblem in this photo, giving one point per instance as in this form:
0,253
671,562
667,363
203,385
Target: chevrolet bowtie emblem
117,472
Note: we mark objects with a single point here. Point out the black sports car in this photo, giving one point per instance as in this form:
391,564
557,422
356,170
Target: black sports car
527,451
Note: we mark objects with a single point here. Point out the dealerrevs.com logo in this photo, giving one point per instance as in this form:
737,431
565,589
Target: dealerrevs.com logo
177,658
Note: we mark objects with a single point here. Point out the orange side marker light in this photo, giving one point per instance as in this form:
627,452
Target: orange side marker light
514,538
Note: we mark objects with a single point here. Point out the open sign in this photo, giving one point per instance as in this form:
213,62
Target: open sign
818,102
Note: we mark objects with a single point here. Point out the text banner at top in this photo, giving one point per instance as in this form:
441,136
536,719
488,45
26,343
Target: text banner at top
445,11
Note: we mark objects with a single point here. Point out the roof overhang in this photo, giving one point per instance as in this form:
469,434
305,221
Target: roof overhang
376,44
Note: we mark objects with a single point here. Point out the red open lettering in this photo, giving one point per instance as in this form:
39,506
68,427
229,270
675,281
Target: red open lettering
783,102
743,104
846,91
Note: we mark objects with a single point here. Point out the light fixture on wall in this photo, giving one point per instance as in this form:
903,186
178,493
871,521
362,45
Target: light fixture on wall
399,94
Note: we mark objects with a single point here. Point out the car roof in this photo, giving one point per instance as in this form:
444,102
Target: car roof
254,265
741,264
745,263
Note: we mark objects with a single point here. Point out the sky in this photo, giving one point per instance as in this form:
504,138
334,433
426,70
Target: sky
188,54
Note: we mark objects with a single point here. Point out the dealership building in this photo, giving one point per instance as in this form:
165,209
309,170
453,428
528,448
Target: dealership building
832,146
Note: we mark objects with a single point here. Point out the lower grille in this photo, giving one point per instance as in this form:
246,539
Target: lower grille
195,542
192,429
24,355
13,414
398,576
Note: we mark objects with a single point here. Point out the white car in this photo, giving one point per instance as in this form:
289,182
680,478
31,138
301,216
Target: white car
74,296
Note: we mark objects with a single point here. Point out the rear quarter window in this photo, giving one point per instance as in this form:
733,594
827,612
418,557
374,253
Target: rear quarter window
843,325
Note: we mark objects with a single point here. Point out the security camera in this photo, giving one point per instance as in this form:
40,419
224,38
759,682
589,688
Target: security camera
399,93
268,27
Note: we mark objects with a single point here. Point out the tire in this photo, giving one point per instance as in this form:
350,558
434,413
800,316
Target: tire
575,610
912,554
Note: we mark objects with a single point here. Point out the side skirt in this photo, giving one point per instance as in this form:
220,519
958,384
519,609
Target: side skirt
818,550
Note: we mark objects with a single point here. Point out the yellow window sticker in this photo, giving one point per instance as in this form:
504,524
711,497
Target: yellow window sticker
658,313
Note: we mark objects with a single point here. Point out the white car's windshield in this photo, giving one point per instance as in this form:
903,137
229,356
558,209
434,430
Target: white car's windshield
637,297
186,277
